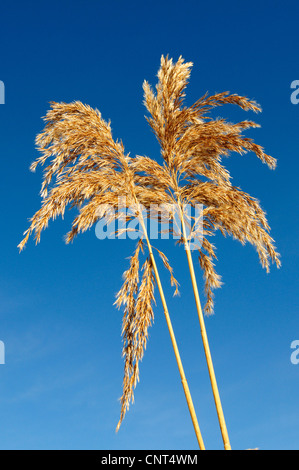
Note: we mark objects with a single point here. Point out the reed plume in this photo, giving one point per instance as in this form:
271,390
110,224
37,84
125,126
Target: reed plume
89,170
193,145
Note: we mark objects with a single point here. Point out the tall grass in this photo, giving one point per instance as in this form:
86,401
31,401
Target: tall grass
89,170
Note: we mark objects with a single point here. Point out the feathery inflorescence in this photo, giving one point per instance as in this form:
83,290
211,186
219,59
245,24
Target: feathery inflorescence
192,147
138,316
90,171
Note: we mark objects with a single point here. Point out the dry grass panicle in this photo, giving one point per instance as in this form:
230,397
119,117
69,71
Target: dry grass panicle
193,145
90,171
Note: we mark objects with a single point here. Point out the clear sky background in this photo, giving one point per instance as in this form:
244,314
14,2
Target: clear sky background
62,377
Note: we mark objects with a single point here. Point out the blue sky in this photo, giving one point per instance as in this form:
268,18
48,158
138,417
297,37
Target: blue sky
62,377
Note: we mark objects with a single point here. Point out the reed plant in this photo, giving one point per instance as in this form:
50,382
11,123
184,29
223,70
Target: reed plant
89,170
191,172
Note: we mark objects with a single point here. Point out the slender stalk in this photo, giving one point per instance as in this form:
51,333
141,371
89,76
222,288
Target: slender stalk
174,344
205,341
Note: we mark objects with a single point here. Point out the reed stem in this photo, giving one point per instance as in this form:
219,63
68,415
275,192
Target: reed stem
174,344
205,341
